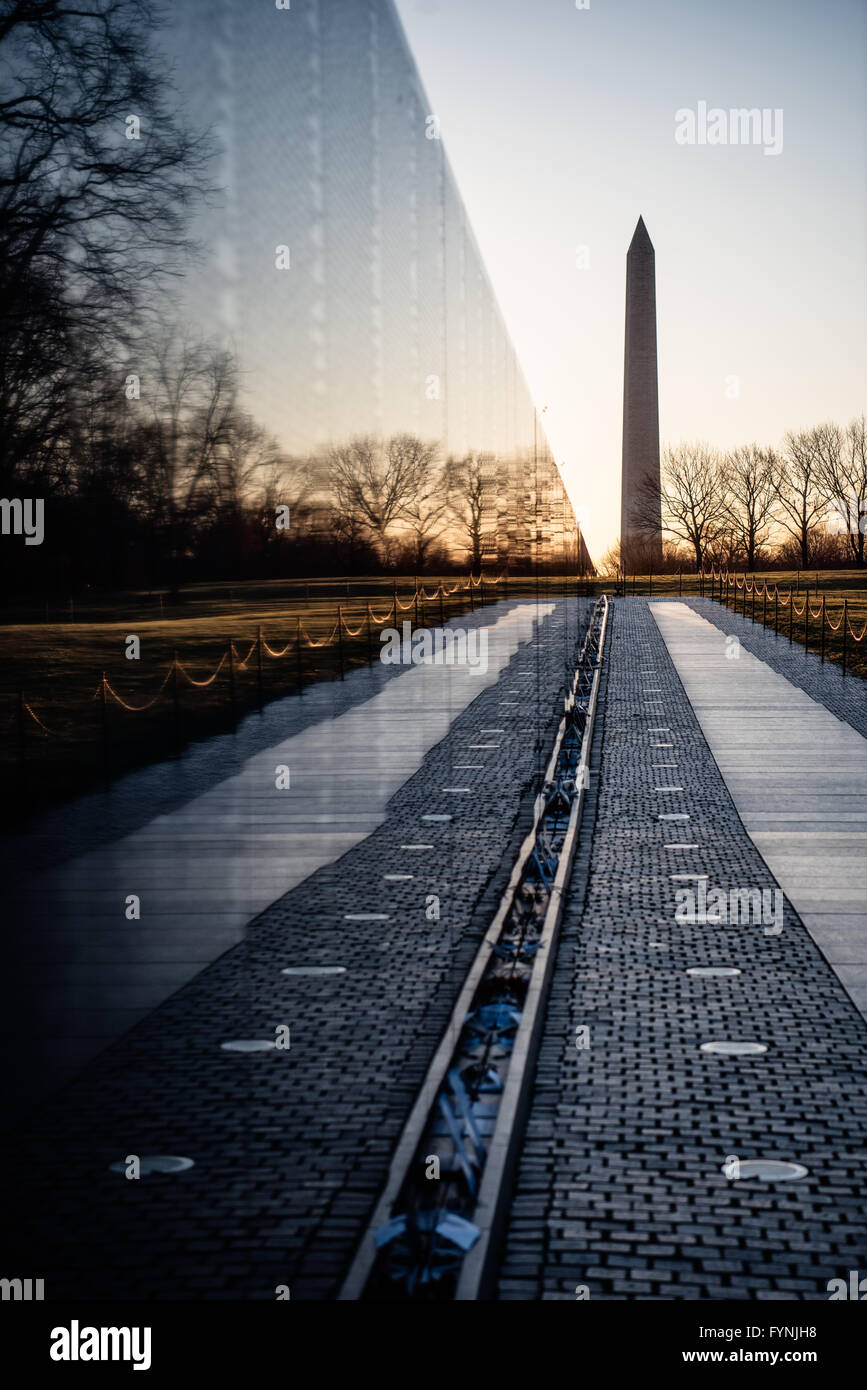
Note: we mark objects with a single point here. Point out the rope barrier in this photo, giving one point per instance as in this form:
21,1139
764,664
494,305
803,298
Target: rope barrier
271,651
201,684
325,643
783,599
242,664
259,645
136,709
35,717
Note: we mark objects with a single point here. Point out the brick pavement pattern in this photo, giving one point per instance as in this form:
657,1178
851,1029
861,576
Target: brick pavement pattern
620,1185
291,1147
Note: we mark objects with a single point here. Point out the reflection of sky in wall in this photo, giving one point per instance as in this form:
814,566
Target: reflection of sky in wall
386,319
560,127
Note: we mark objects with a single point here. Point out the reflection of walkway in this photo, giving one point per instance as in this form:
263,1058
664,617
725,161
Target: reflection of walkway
798,777
85,973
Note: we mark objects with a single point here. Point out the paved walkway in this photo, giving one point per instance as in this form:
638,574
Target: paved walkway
84,972
291,1147
797,776
621,1190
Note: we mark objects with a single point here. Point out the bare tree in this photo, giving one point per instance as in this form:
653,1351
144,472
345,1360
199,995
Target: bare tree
748,499
609,565
841,466
97,176
299,483
188,404
472,493
425,513
691,495
799,504
375,482
243,462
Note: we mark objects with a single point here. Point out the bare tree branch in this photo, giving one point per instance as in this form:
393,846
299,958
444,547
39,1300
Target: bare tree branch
748,499
691,495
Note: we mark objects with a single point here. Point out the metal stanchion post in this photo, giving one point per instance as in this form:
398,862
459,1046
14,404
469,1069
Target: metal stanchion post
176,703
791,611
22,746
104,719
807,620
823,629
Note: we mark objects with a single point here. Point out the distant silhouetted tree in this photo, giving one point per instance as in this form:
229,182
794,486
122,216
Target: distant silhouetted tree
748,497
97,176
691,493
189,416
799,504
841,467
375,482
471,489
425,514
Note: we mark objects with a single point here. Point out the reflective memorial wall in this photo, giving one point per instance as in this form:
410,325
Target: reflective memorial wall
339,263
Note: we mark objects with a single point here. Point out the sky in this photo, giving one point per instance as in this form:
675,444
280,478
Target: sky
560,127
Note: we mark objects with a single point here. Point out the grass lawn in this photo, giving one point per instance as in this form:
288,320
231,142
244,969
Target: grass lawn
55,738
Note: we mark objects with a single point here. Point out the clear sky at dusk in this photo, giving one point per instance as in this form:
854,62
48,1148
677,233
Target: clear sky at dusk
560,127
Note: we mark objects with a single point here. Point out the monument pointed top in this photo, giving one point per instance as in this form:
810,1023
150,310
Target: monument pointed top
640,238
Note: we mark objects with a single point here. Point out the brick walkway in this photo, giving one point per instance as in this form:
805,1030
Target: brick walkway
797,775
78,974
291,1147
620,1185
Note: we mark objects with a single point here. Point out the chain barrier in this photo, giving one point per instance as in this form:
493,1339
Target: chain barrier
135,709
242,664
781,599
105,690
201,684
35,717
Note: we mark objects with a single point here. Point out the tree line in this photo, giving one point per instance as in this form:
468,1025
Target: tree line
160,477
133,432
802,504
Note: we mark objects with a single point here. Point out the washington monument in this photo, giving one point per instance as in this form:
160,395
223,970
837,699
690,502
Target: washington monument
640,509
